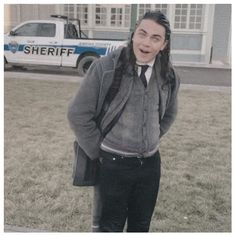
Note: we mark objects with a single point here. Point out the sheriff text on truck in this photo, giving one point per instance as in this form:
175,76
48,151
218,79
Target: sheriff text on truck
55,42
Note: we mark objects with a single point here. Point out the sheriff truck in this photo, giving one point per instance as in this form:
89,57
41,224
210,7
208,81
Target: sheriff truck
57,42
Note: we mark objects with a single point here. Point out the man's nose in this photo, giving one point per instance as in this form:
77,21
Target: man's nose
147,41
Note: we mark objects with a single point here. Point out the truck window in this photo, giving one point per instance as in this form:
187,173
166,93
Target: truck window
29,29
70,31
46,30
36,30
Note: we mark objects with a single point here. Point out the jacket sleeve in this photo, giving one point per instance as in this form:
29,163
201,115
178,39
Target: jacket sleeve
171,109
82,111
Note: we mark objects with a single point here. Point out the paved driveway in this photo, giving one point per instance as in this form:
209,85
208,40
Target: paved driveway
188,75
204,76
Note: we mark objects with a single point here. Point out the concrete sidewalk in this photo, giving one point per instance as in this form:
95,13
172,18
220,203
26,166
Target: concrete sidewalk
188,75
205,76
212,76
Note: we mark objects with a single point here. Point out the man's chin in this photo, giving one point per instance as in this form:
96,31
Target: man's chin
144,60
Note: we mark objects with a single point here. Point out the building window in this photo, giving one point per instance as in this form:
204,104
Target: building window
143,8
77,11
195,20
113,15
82,13
69,10
162,8
127,16
181,16
188,16
100,15
116,17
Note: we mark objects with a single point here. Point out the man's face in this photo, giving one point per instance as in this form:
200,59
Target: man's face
148,40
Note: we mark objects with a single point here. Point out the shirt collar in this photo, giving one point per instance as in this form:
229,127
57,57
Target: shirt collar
150,64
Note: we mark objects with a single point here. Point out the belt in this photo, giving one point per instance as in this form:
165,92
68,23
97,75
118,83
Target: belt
113,156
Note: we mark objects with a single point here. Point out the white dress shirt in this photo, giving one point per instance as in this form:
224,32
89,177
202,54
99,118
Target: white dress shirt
148,73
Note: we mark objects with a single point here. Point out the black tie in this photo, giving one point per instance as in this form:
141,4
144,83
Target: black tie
142,74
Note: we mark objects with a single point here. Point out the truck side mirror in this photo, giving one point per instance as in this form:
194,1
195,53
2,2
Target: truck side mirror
12,33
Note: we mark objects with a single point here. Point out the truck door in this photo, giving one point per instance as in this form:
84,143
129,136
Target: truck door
34,43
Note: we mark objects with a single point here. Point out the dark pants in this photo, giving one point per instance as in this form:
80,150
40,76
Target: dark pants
129,189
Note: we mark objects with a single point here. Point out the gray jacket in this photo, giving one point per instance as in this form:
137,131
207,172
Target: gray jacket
87,103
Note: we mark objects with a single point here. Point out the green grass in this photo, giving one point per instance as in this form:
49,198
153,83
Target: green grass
195,191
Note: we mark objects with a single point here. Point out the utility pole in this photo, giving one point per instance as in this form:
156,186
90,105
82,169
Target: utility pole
133,16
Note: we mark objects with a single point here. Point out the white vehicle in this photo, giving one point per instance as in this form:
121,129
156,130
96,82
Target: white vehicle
54,43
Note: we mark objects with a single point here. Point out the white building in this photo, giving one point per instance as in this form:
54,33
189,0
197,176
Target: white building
201,33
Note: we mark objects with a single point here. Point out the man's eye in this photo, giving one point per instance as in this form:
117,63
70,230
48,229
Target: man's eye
157,39
141,34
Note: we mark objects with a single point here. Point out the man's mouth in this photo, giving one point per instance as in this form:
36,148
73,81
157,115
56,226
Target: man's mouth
143,51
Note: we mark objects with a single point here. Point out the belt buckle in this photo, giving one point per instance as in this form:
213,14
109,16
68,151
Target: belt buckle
140,159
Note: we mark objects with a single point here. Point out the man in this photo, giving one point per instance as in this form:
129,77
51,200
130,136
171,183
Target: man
129,153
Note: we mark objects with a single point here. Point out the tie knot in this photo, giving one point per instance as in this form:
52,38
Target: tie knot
144,68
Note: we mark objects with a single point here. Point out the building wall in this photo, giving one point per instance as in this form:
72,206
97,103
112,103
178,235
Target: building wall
17,13
221,33
110,35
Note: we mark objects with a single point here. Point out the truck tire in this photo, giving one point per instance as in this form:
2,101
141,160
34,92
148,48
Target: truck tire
85,63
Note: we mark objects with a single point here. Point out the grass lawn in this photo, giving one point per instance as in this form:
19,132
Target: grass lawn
195,191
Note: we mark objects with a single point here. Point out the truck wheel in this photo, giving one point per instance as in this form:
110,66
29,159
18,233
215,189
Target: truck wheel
85,63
